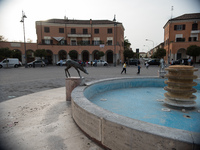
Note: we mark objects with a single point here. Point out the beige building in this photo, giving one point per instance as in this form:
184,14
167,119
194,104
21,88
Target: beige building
85,38
179,34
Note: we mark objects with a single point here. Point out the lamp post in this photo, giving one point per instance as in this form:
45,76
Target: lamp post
147,46
22,20
115,55
151,41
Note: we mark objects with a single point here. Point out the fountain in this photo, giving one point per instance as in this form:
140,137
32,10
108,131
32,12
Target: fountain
180,83
131,113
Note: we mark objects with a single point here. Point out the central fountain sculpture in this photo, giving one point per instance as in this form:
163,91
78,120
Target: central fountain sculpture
180,86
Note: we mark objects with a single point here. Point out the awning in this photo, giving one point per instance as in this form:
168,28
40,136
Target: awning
58,38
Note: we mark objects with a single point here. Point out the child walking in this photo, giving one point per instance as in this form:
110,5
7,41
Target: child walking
124,68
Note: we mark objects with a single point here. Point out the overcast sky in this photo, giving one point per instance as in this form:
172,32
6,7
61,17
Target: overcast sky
142,19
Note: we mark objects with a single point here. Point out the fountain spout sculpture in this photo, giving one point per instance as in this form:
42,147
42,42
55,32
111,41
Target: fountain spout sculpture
180,83
71,63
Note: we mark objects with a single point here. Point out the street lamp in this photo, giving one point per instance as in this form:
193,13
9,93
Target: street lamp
22,20
148,47
151,41
115,55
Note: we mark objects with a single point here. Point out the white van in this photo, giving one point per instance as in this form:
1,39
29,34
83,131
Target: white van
10,62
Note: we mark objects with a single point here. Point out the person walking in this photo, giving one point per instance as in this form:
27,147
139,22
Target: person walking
138,69
124,68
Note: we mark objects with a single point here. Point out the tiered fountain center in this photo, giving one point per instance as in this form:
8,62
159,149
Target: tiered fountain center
180,86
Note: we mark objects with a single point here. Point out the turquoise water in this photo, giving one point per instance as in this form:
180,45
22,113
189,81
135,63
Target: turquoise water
143,103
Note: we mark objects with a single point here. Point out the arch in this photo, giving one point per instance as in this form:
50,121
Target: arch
49,56
181,53
95,54
17,54
30,55
109,56
73,54
62,54
85,56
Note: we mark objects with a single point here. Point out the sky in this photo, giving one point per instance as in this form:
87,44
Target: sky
142,19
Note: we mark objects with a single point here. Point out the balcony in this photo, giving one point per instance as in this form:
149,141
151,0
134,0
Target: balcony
79,35
195,31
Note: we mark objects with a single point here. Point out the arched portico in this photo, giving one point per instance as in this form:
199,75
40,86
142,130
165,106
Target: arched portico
17,54
30,55
62,54
85,55
95,54
109,56
49,56
73,54
181,53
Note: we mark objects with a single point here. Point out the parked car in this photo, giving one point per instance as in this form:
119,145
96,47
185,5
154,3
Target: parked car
35,63
134,62
64,62
10,62
183,61
153,62
98,63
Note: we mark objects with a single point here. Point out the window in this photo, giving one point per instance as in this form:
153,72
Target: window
73,31
96,41
96,31
194,26
61,30
85,31
193,37
180,39
109,30
46,29
73,42
109,42
179,27
63,42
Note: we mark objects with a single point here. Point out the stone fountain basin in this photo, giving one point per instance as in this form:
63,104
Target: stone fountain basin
119,132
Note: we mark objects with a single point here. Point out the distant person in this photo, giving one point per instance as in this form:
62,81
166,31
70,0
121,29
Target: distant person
124,68
147,65
61,62
189,61
138,69
172,62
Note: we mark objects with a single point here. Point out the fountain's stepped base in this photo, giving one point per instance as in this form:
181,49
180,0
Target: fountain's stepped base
180,83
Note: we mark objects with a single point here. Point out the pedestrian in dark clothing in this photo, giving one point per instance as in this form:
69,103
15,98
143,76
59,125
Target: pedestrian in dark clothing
124,68
138,69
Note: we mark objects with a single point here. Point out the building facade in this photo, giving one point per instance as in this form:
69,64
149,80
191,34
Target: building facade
179,34
84,38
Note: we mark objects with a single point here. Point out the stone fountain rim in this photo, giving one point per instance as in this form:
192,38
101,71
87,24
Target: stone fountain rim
154,129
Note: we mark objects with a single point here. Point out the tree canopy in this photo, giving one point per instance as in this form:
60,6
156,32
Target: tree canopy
40,53
160,53
5,53
193,51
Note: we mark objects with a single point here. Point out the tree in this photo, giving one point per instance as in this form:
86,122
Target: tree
128,54
2,39
160,53
127,44
73,54
100,54
5,53
193,51
40,53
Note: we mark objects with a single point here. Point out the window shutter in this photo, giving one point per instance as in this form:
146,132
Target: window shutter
175,27
42,41
51,41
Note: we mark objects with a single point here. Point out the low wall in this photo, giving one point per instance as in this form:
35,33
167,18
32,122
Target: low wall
118,132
